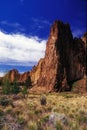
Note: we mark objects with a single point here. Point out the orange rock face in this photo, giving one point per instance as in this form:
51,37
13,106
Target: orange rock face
36,72
23,77
14,75
64,60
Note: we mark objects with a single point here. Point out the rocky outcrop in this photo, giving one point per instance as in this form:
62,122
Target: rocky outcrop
84,39
24,77
80,86
64,60
36,72
63,64
14,75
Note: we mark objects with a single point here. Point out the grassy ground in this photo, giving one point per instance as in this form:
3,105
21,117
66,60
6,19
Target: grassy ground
62,111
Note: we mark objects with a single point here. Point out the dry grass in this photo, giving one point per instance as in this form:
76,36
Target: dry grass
28,113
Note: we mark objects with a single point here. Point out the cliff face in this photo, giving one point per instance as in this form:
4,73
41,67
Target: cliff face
35,73
84,39
64,60
23,77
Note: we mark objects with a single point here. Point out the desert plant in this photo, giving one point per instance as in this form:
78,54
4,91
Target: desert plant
39,125
45,119
38,111
24,91
43,100
32,125
6,86
15,87
21,120
1,113
58,126
4,101
9,110
82,119
74,125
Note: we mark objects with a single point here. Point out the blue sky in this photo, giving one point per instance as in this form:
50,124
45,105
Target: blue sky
25,26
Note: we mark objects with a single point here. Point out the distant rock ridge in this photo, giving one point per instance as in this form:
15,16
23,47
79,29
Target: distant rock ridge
64,61
14,75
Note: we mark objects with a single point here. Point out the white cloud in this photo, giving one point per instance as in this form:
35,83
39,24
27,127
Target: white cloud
2,74
20,49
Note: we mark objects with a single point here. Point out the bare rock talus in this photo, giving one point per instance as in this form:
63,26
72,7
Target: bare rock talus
64,60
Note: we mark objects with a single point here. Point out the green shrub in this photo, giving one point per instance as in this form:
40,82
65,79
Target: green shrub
15,87
24,91
6,86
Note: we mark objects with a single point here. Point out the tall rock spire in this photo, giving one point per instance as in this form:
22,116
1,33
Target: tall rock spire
63,61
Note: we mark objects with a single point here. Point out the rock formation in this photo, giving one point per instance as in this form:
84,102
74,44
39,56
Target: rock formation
24,77
84,39
14,75
64,61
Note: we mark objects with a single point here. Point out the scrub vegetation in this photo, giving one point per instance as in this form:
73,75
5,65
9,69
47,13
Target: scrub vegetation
51,111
